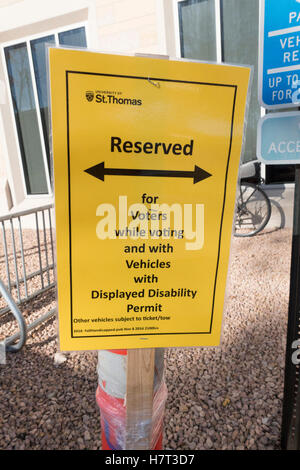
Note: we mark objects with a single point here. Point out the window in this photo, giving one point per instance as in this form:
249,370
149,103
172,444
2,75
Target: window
238,35
228,31
27,77
197,29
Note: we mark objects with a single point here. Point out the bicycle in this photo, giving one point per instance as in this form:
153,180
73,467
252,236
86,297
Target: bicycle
253,207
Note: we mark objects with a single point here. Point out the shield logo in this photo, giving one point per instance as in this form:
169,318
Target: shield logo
89,95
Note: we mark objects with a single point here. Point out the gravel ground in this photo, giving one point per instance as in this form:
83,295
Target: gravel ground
228,397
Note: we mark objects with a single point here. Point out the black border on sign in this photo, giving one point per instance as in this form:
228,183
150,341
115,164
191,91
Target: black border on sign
69,195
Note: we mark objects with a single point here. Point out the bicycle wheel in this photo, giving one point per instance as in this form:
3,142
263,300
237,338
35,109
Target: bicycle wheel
253,210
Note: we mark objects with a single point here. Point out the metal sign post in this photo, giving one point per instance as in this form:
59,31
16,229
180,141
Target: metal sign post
290,436
278,142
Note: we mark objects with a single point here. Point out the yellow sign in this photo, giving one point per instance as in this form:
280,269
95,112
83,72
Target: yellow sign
146,156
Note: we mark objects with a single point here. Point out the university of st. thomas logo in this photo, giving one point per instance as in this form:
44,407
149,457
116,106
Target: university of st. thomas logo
89,95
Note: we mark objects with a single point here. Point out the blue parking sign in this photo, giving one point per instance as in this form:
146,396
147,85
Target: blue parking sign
279,53
278,138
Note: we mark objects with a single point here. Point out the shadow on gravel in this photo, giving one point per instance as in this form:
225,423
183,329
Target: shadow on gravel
226,398
32,308
44,406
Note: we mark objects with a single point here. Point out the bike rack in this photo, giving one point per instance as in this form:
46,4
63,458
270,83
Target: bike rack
17,276
5,345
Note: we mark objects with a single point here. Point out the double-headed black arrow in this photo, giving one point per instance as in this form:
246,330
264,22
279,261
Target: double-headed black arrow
99,171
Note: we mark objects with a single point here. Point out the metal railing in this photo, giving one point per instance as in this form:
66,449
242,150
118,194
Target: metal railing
26,266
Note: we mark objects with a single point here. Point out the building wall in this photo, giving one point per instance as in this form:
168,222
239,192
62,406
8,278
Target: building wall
128,26
129,23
